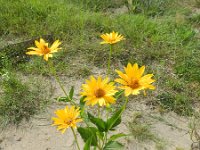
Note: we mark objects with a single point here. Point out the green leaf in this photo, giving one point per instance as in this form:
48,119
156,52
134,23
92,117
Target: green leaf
71,93
101,125
82,103
88,132
118,94
115,119
113,145
100,135
116,136
63,99
118,121
88,144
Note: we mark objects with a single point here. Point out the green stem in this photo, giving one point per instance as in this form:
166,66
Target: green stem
99,147
106,133
75,137
99,141
61,86
126,102
107,113
99,113
53,72
105,139
109,60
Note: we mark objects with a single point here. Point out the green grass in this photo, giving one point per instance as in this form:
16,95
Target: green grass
195,18
159,34
19,101
99,5
149,7
141,131
176,102
197,3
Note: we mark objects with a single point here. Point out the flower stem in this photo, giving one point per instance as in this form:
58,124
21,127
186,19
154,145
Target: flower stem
126,102
75,137
105,139
61,86
53,72
99,112
109,60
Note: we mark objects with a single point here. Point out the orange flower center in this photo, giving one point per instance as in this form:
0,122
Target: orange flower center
134,84
111,39
68,121
46,50
99,93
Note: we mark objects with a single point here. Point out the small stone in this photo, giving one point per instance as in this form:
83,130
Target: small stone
19,139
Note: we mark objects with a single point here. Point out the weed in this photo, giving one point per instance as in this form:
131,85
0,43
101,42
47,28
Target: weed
188,69
179,148
18,101
194,130
99,5
142,131
155,34
84,72
149,7
175,102
195,19
197,3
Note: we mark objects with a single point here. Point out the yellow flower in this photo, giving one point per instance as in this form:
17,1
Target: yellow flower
111,38
42,49
67,117
99,91
132,80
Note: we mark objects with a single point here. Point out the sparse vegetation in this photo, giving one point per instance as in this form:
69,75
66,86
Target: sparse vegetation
18,100
177,103
141,131
160,34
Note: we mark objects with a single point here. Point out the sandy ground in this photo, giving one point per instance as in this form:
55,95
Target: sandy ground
38,134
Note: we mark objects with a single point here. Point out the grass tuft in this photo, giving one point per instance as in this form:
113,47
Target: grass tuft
141,131
176,102
18,100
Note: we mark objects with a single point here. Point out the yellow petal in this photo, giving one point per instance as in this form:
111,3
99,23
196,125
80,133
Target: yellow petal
34,53
128,91
122,75
39,46
133,81
141,71
35,49
46,57
94,86
55,45
121,81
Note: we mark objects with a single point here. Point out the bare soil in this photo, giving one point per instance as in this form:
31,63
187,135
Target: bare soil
38,134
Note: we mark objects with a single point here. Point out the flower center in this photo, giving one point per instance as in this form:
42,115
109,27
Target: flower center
134,84
46,50
68,121
112,39
99,93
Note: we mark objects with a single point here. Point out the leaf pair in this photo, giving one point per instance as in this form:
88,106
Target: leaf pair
109,124
88,134
68,98
113,145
